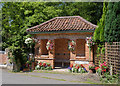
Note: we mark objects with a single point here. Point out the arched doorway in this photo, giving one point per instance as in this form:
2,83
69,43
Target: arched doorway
62,54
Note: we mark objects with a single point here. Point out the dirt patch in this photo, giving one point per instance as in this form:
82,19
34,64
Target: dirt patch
90,78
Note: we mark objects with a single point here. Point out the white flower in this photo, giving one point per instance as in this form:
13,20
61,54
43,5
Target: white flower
38,66
28,41
72,69
79,69
35,40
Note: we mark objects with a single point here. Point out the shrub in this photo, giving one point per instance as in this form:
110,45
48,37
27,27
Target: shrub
105,75
107,78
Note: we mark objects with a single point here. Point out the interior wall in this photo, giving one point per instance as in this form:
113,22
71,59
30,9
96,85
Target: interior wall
61,49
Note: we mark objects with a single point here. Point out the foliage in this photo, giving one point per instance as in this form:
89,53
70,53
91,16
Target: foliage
103,66
110,79
91,66
112,23
77,68
96,68
103,50
43,66
27,64
71,45
104,74
88,10
99,70
100,51
49,45
28,41
90,41
99,32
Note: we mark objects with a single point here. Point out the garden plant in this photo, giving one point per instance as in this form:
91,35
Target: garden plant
43,66
104,74
77,68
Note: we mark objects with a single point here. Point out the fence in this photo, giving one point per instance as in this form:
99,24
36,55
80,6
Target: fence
112,54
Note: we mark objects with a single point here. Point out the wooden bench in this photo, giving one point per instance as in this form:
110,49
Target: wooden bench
62,61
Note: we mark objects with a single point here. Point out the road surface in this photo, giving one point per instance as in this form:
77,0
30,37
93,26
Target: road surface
26,78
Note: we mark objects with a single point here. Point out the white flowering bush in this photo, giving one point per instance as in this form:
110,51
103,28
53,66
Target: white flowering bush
36,40
28,41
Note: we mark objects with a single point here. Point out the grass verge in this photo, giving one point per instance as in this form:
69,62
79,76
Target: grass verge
57,72
54,78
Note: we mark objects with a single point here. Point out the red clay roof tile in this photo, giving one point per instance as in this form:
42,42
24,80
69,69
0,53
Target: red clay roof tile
69,23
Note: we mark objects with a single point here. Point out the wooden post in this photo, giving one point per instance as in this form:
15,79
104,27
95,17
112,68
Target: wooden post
89,53
111,69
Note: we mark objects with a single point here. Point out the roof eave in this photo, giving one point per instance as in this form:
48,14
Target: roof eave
81,31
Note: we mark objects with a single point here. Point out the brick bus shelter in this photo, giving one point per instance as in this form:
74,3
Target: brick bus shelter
61,31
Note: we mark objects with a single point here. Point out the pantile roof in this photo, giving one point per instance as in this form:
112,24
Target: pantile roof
67,23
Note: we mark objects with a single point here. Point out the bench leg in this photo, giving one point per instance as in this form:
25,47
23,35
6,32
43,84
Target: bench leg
62,64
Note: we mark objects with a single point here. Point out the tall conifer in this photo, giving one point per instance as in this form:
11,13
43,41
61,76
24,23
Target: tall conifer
99,32
112,23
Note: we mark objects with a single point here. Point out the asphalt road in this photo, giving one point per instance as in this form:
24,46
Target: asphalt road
25,78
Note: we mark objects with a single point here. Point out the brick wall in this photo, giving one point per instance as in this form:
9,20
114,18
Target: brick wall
60,51
51,61
87,53
3,58
80,47
44,50
85,65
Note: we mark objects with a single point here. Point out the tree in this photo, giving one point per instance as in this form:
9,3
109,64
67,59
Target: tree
16,18
99,32
112,23
88,10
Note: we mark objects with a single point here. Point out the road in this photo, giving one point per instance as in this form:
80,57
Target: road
43,77
25,78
